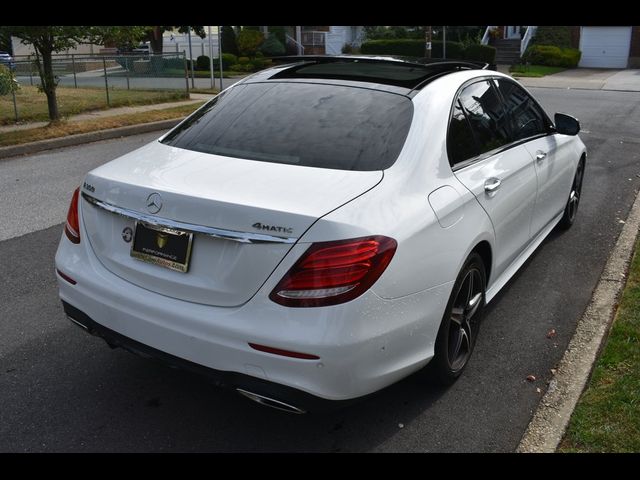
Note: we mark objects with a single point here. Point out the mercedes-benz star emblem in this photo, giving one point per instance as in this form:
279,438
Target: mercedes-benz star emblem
154,203
127,234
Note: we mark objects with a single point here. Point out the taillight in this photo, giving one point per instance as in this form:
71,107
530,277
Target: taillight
72,227
329,273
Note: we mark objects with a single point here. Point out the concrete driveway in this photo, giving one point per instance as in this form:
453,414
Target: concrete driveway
589,79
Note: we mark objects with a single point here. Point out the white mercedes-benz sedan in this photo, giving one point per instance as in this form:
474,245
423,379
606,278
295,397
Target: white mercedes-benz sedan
321,229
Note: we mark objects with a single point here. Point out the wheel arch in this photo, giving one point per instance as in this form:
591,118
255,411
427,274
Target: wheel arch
483,248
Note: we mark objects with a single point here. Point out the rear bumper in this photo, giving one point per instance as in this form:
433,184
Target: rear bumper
299,401
363,345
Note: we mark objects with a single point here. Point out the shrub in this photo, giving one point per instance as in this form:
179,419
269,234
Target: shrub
202,63
228,37
272,47
260,63
552,56
480,53
279,32
243,60
8,83
556,36
241,67
228,59
249,41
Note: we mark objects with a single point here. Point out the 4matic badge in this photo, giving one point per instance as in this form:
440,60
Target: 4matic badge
272,228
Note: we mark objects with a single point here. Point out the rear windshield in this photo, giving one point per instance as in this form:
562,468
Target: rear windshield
309,124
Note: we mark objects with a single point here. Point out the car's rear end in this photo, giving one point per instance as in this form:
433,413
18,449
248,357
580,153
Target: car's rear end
193,247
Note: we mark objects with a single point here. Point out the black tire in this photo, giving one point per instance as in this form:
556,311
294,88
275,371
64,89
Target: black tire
571,208
460,323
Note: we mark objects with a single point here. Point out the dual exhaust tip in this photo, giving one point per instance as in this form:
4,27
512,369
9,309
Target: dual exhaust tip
261,399
270,402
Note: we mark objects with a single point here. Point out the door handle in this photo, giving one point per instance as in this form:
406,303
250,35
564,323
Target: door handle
492,184
540,155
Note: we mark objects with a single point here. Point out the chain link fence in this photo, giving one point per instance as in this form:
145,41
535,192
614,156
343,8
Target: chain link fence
106,80
131,71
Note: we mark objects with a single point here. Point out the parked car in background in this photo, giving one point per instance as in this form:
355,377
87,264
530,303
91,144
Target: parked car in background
7,60
322,229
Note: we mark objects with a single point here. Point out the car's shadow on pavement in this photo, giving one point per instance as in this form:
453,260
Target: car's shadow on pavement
83,396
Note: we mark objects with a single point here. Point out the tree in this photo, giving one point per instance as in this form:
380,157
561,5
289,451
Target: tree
272,47
47,40
249,41
228,37
154,34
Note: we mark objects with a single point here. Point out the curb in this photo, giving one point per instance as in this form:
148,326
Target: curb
547,427
71,140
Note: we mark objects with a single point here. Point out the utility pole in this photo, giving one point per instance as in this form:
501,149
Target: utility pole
444,42
210,57
191,59
427,41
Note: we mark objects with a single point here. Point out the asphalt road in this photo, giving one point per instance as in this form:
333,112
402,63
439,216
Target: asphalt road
62,390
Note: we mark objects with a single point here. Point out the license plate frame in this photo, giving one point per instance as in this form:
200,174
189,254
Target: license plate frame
176,258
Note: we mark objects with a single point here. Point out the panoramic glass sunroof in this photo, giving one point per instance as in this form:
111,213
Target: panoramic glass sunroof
389,73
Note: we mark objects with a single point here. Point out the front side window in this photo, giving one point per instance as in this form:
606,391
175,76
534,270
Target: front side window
527,119
485,113
307,124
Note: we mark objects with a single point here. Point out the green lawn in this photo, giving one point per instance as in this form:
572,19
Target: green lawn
534,70
607,418
32,105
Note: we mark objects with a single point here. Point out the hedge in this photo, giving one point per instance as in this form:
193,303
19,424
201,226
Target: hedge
415,48
556,36
480,53
408,47
202,63
552,56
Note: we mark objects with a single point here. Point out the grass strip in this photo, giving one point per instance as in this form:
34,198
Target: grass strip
63,128
607,417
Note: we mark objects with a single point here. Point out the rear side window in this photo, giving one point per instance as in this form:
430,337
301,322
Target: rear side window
461,144
486,116
527,119
309,124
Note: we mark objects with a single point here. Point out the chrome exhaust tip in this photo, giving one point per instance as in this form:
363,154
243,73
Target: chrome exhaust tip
270,402
81,325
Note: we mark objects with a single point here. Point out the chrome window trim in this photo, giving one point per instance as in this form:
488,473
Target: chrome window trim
233,235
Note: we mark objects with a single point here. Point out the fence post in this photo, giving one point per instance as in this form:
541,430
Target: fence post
73,65
106,83
15,105
186,72
126,69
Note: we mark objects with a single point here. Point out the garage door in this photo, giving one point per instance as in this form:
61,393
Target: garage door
605,47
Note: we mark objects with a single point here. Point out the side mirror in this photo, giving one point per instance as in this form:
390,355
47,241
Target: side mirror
566,124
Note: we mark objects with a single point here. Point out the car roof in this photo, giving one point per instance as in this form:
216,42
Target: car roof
404,75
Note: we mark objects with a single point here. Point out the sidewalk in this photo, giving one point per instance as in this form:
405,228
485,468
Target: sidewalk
195,98
588,79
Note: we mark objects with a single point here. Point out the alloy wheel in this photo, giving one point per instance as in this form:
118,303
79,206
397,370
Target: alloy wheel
464,321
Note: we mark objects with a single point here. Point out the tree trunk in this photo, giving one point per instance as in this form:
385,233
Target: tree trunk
47,79
156,40
49,85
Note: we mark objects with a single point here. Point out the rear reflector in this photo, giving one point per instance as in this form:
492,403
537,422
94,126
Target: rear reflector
66,277
329,273
72,227
284,353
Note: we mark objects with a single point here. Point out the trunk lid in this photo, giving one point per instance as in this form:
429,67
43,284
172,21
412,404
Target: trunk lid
205,190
